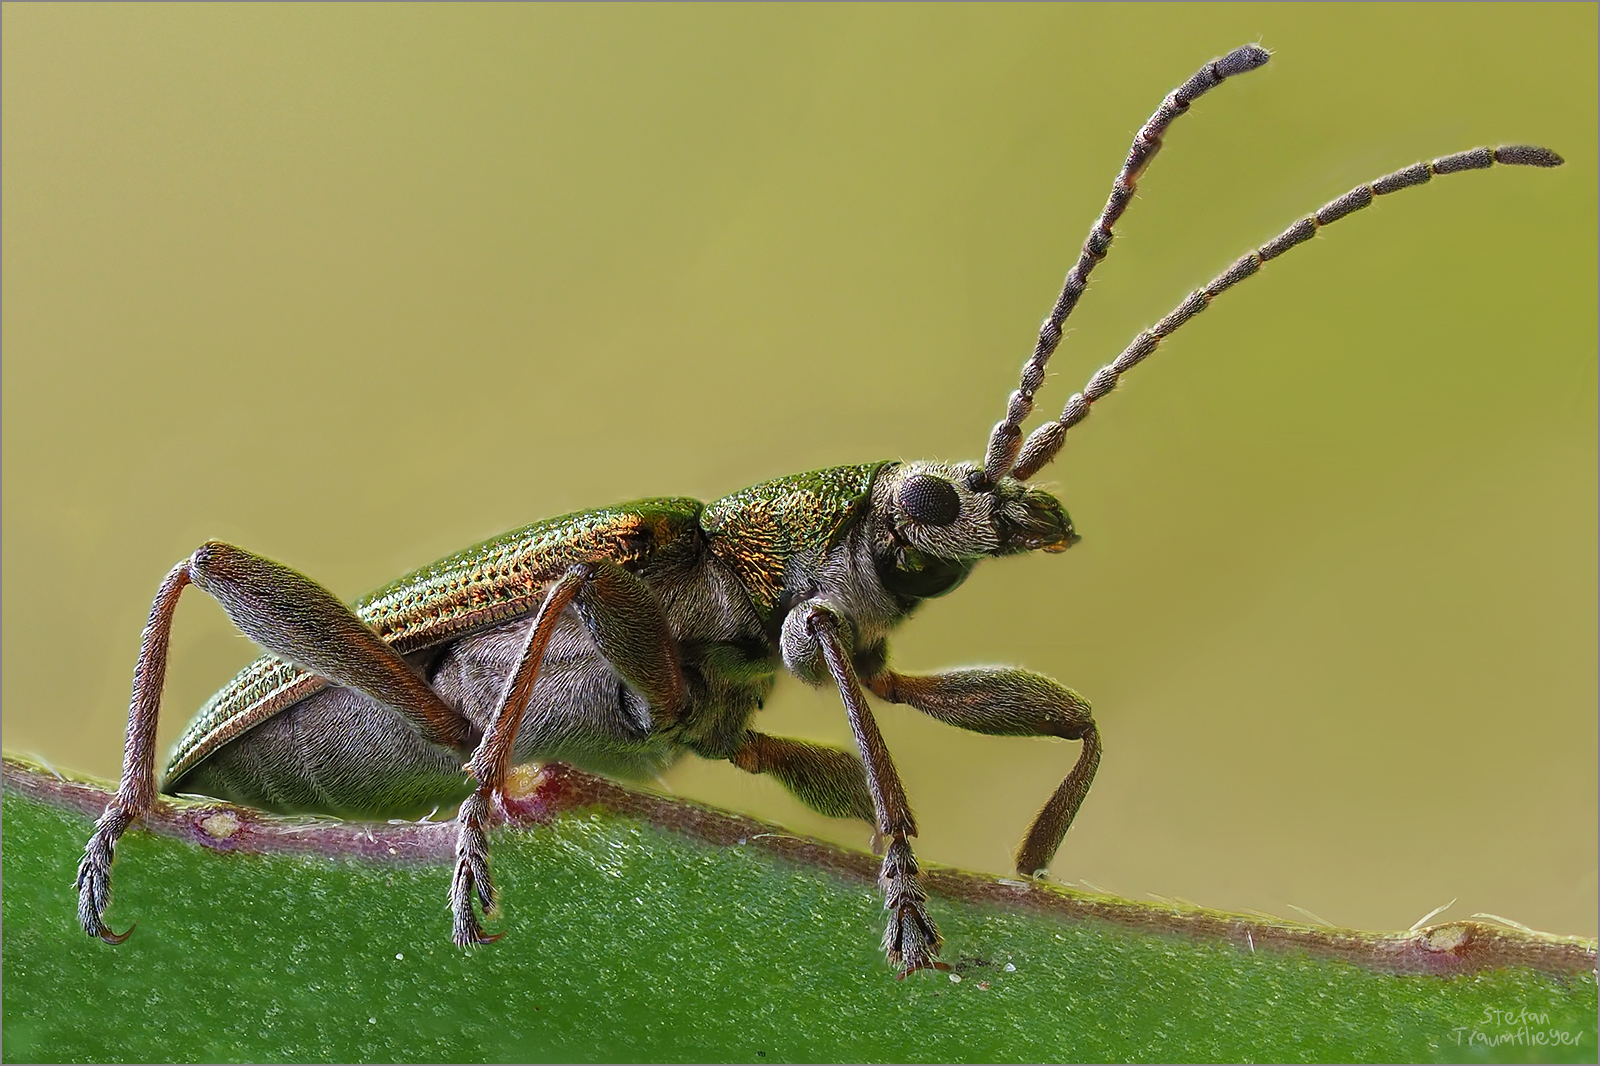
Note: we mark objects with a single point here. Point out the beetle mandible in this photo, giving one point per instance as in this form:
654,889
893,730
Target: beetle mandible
620,638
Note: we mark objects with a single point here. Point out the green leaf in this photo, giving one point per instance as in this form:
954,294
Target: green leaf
642,928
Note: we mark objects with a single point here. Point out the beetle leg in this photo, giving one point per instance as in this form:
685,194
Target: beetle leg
911,939
291,616
629,629
297,619
138,787
1005,702
827,780
490,764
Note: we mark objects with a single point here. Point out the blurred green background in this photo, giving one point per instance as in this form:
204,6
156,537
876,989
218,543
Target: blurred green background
355,286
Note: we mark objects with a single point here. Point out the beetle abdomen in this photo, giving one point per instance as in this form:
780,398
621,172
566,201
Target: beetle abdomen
475,590
580,711
336,752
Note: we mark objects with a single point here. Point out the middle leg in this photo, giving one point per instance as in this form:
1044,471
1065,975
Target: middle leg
827,780
629,628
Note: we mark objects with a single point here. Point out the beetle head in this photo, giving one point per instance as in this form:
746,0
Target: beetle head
934,527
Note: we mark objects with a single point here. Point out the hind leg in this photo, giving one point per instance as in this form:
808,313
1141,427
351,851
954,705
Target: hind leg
289,615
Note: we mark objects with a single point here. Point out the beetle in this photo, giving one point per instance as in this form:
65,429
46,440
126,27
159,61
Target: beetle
623,637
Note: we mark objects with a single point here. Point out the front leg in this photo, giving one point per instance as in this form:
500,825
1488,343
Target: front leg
911,939
1012,703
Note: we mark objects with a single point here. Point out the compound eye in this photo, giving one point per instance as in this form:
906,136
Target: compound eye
928,500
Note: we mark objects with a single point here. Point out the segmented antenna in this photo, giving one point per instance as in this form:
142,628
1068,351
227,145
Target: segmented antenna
1044,442
1006,437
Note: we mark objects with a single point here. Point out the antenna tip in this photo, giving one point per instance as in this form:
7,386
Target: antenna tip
1247,57
1526,155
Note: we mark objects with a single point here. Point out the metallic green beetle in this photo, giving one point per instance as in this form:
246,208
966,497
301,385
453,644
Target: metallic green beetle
620,638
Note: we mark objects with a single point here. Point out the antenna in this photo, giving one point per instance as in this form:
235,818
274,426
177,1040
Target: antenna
1044,442
1006,437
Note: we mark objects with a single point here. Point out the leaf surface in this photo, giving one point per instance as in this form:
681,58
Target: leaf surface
643,928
